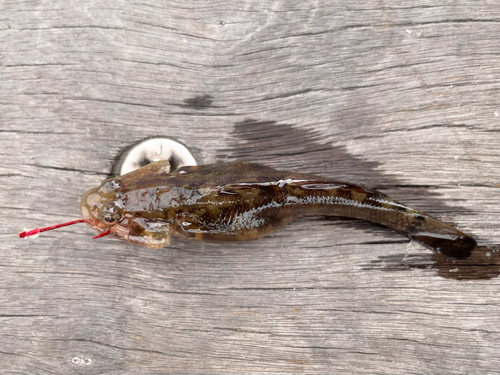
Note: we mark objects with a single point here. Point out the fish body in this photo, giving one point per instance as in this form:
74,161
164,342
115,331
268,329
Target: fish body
245,201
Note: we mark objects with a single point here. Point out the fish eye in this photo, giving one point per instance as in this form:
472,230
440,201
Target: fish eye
110,213
110,185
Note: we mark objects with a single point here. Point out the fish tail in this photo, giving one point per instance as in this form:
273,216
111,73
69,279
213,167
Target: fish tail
441,237
424,229
353,201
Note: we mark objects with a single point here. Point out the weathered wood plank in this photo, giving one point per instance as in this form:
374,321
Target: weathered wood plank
403,97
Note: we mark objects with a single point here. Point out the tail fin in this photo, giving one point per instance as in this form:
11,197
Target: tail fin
441,237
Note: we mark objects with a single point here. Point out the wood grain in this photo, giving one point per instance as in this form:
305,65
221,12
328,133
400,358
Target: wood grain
395,95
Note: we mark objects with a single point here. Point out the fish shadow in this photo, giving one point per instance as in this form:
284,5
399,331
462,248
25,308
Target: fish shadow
285,146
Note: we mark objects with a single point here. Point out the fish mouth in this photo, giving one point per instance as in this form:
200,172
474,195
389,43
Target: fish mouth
89,210
94,224
103,229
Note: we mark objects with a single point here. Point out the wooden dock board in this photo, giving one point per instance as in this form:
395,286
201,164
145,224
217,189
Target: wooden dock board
400,96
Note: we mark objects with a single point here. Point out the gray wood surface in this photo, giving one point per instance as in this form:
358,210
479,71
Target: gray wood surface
403,96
